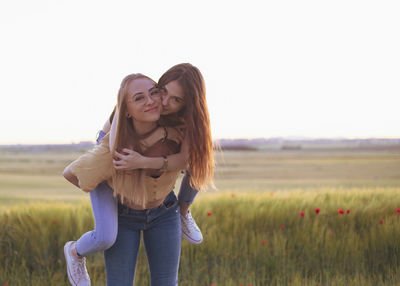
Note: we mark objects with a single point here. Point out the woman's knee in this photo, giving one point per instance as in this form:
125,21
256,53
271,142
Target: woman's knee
105,240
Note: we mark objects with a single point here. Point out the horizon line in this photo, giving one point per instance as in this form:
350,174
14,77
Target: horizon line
289,138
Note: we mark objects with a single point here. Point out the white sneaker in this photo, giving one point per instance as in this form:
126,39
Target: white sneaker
76,268
190,230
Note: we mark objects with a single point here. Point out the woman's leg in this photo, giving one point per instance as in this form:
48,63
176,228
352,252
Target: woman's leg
120,259
162,239
186,194
104,207
190,231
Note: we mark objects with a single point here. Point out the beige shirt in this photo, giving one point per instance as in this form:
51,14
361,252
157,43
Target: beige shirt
134,188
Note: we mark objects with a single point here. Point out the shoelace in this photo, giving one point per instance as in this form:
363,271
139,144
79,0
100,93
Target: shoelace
79,266
190,221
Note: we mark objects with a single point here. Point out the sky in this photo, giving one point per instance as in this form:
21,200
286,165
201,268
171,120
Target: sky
316,69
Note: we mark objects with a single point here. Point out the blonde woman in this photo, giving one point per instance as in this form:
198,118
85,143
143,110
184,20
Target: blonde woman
193,97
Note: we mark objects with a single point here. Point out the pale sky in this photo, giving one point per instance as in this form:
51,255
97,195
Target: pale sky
272,68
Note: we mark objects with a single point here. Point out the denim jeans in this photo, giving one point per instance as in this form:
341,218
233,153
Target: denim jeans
104,207
161,228
186,193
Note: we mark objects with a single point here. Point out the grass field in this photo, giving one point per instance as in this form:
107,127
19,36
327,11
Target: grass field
255,234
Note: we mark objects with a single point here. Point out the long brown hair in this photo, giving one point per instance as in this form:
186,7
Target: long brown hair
197,121
126,136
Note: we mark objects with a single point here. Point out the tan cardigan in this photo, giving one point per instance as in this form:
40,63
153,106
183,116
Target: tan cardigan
134,188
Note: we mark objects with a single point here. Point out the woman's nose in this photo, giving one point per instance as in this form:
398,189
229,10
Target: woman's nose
150,100
165,100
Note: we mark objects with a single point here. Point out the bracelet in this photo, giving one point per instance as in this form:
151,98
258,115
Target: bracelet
165,165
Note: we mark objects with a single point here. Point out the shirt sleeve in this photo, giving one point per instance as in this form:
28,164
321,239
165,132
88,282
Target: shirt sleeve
94,166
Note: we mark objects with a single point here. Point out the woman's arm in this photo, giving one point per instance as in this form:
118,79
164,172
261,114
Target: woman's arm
133,160
91,168
70,176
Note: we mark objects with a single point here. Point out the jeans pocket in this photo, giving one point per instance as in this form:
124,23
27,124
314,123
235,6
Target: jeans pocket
170,202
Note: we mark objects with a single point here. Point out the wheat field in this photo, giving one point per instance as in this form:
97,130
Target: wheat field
277,218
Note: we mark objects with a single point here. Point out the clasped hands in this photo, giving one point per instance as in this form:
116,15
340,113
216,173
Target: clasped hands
128,160
131,160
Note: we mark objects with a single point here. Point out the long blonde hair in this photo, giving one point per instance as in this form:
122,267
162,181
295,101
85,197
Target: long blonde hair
197,121
126,137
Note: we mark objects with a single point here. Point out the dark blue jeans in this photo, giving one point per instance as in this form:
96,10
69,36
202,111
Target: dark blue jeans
161,229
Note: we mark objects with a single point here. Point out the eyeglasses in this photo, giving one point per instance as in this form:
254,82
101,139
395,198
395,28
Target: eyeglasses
142,98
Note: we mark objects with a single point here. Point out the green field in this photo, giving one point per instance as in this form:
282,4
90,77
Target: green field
255,234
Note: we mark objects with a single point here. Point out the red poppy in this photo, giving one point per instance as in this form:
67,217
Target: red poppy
381,221
54,221
317,210
282,227
209,213
397,211
249,285
233,195
263,242
331,233
340,211
212,284
301,214
348,211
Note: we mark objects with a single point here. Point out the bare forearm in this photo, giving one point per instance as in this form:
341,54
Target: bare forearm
175,162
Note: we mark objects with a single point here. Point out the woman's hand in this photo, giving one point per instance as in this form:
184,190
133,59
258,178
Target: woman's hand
129,160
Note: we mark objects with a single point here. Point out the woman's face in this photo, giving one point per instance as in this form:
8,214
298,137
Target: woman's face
143,100
173,99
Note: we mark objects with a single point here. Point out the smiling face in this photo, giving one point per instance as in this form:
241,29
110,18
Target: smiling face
173,98
143,100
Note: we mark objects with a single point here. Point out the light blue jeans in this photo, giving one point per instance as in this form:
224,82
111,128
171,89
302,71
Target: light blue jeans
104,207
161,228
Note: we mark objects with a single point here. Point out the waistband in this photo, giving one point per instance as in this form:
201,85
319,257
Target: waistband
169,201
